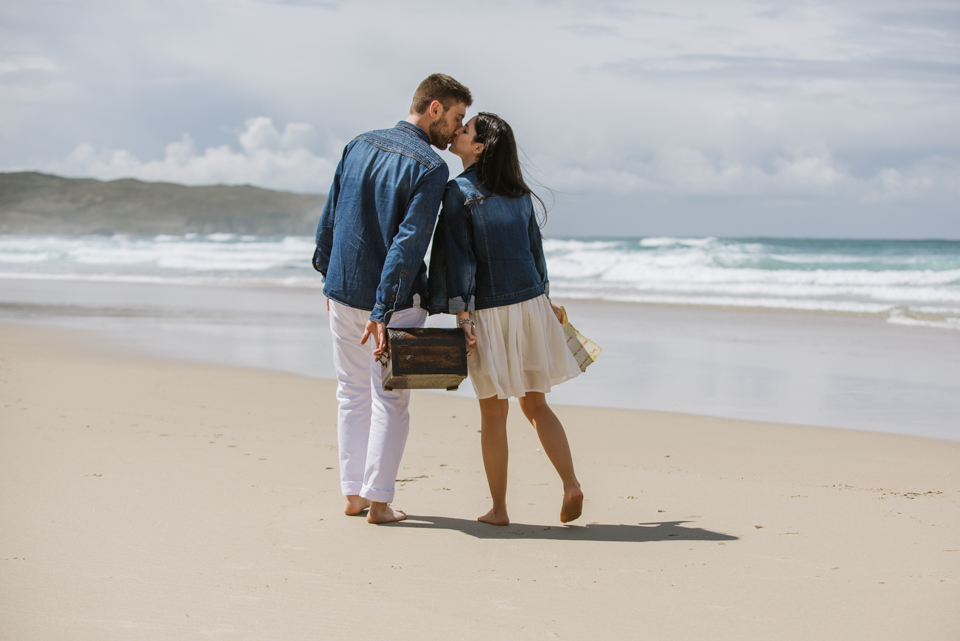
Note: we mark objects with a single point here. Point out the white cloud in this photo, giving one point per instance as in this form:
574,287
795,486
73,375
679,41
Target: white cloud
297,134
810,170
259,134
16,64
267,158
810,173
929,175
281,159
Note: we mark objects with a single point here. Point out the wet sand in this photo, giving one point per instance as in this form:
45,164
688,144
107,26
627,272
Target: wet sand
150,498
848,371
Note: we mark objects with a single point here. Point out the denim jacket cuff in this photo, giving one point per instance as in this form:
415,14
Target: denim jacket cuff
380,314
457,305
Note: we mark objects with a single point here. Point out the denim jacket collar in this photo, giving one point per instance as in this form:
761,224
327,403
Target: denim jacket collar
403,124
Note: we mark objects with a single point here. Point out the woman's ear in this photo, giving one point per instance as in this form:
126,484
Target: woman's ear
478,149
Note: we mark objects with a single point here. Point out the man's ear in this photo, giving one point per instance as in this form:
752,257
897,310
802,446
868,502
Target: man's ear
435,110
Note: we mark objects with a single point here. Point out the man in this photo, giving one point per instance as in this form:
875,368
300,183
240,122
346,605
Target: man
371,240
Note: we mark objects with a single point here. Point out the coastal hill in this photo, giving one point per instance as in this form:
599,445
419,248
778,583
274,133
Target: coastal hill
35,203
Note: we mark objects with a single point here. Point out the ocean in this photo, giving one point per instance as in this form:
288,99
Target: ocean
906,282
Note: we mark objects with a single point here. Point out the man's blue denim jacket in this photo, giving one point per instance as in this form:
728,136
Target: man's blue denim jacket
378,219
486,253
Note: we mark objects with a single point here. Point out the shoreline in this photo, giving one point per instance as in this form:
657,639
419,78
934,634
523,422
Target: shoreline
161,498
201,281
94,343
840,371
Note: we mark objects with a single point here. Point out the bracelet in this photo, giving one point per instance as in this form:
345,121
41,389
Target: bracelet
461,321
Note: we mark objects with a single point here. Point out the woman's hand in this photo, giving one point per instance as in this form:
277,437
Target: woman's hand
470,336
557,311
467,325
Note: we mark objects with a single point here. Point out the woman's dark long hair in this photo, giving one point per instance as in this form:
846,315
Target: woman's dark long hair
498,166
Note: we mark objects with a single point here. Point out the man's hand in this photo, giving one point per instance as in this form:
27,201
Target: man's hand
379,333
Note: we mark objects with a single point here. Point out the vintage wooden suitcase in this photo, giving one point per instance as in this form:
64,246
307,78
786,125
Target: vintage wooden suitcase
425,358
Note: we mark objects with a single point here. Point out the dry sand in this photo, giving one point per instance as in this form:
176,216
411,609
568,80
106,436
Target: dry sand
152,499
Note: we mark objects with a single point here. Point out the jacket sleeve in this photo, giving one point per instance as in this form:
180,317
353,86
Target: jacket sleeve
536,248
321,256
460,259
409,245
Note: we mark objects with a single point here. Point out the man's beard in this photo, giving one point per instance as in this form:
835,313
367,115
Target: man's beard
439,135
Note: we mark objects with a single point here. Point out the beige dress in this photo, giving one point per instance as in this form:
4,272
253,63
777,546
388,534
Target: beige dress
520,348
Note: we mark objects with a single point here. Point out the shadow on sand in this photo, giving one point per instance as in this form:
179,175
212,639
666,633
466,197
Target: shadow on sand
639,533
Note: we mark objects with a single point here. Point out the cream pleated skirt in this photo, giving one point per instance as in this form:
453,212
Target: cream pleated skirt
520,348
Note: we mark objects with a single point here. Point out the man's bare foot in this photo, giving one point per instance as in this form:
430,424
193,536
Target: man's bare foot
383,513
495,517
572,505
355,505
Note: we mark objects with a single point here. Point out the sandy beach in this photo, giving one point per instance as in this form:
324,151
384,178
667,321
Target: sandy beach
765,246
147,498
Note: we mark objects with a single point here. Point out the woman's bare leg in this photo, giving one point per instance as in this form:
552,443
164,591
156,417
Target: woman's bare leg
554,441
493,444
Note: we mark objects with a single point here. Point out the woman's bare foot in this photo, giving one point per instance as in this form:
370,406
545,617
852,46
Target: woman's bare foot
355,505
495,517
572,505
383,513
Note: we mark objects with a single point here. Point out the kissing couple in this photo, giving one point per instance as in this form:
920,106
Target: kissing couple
487,267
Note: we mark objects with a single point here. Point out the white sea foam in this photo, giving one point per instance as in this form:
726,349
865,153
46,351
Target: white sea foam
667,241
292,281
35,257
901,317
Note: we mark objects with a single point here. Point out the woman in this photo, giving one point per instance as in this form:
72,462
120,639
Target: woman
487,266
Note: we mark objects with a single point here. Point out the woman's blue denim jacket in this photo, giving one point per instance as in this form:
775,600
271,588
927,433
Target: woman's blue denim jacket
486,253
378,219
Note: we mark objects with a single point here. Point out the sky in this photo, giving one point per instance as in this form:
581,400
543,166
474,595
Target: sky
697,118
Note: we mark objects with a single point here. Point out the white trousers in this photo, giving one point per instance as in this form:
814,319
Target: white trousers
372,424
